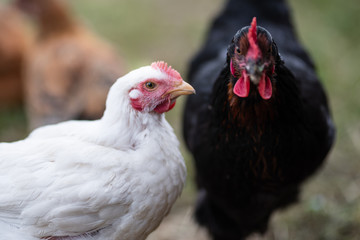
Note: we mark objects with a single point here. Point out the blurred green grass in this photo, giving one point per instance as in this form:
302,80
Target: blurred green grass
144,31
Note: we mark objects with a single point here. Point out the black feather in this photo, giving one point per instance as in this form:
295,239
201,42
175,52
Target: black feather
251,155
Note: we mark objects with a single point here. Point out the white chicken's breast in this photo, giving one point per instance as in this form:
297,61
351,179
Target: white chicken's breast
114,178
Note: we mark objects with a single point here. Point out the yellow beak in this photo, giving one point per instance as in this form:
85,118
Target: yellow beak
182,89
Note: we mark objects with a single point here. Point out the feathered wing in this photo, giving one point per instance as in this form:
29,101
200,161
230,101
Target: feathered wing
10,232
34,198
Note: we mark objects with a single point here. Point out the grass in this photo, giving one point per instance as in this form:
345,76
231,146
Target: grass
143,31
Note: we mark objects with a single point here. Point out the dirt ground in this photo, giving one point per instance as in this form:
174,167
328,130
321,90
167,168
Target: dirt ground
179,225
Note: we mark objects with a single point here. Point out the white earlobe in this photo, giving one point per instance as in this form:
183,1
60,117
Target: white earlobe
134,94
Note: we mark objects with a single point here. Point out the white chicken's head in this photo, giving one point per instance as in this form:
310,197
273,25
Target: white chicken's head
155,87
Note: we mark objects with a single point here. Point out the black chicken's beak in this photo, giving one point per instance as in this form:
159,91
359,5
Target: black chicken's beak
254,69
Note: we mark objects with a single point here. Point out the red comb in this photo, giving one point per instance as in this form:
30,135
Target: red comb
165,68
254,51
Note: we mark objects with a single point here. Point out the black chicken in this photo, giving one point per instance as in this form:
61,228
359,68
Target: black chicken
259,124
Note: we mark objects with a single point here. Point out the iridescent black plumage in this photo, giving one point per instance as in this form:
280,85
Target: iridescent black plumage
251,155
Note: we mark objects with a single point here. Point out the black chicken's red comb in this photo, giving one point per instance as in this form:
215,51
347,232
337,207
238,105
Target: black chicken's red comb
252,34
254,50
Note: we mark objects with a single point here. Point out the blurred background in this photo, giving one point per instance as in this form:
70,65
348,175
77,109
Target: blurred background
142,31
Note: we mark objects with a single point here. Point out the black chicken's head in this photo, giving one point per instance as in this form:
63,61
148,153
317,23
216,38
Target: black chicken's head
251,56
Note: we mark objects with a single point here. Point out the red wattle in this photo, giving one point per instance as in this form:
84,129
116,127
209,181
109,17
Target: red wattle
172,105
265,87
165,106
242,86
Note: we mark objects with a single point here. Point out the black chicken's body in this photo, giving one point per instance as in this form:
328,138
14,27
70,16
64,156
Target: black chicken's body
251,154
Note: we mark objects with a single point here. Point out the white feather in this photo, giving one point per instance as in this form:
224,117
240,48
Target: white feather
12,233
117,176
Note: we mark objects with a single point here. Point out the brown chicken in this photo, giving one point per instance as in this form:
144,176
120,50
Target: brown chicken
14,43
70,70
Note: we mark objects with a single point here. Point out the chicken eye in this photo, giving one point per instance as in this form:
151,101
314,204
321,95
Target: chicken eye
238,50
150,85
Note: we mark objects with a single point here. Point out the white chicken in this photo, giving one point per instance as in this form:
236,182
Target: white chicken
113,178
